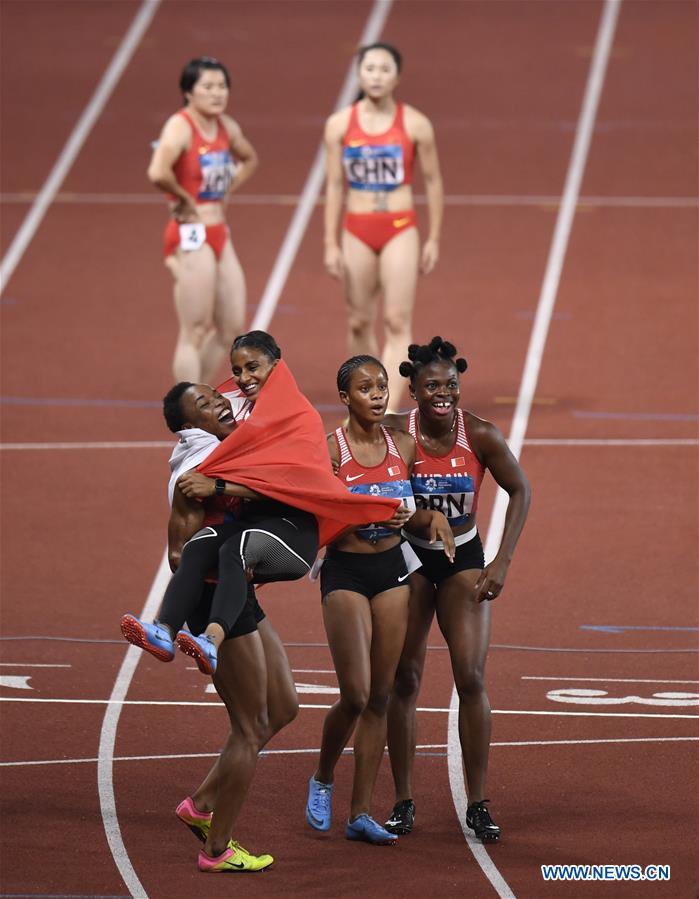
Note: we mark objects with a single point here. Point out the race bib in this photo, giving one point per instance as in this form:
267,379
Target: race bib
192,236
452,495
370,167
217,172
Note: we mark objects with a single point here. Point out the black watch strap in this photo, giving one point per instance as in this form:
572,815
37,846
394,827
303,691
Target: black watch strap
219,486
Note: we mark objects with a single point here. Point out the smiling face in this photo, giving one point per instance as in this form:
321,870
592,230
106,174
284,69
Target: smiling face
251,367
205,408
436,391
378,74
367,396
209,95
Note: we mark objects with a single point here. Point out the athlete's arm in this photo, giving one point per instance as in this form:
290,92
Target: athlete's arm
334,129
186,518
173,141
494,453
195,485
423,132
243,151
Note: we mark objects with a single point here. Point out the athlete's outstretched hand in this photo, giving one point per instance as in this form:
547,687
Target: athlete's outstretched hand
491,581
430,255
195,485
334,263
441,530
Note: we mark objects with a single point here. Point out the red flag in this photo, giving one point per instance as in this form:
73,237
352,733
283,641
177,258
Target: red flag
281,452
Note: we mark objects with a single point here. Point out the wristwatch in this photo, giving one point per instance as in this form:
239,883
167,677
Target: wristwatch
219,487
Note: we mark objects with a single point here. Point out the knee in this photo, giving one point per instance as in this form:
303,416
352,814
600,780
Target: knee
359,323
354,700
256,731
469,683
378,703
195,333
397,326
285,714
407,681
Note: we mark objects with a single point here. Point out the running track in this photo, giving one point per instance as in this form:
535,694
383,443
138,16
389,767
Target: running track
610,442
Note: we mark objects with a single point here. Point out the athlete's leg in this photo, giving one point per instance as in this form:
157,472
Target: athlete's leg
466,628
282,701
241,682
402,717
361,294
347,620
199,556
195,286
389,615
228,314
398,271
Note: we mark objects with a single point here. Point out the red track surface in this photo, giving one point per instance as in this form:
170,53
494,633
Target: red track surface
612,535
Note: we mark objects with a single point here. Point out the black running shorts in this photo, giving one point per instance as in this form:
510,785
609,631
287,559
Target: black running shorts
437,568
365,573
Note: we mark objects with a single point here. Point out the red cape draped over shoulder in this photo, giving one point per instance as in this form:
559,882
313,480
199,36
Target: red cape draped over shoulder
281,451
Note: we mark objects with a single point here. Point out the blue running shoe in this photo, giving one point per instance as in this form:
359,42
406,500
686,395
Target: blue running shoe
154,638
365,828
201,649
318,804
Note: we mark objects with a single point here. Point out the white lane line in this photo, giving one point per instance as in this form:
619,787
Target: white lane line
152,199
610,680
114,702
347,751
31,665
76,140
263,316
92,445
527,388
534,441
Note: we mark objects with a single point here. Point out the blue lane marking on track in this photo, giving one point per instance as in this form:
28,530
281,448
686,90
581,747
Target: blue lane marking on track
620,628
73,401
637,416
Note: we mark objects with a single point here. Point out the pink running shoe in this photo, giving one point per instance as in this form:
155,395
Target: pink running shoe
198,822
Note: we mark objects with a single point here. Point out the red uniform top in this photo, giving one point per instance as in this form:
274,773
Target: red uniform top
206,170
448,483
380,162
389,478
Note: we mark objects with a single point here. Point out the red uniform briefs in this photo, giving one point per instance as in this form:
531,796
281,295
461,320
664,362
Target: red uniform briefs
281,452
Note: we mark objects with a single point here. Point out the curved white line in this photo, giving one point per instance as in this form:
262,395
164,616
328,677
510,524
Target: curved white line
265,311
535,351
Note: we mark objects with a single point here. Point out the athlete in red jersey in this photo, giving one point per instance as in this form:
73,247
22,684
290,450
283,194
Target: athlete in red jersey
372,145
200,158
454,449
364,589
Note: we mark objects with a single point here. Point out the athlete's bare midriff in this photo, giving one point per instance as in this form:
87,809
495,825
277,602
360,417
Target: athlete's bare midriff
363,201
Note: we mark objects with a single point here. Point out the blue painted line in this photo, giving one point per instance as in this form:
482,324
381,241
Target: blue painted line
72,401
620,628
637,416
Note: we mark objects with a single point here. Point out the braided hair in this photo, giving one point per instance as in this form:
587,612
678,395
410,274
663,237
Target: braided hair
344,374
172,406
437,350
259,340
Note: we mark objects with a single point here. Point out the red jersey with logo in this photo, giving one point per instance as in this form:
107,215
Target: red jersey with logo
380,162
206,170
448,483
389,478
